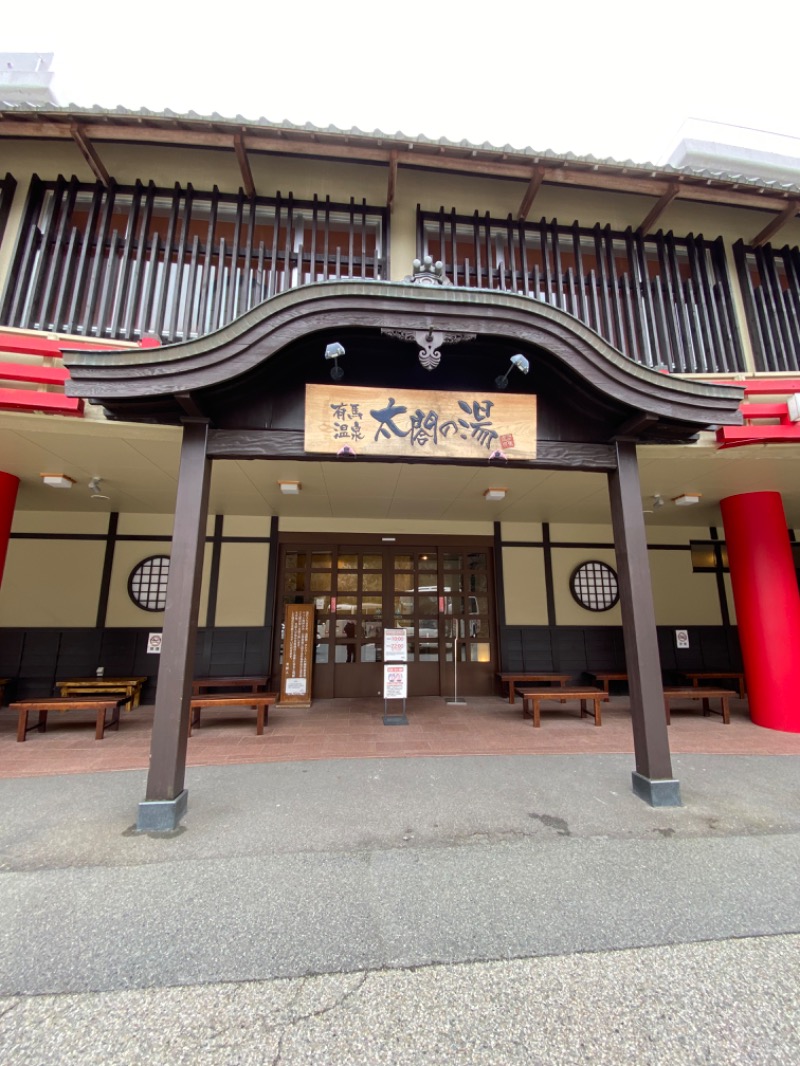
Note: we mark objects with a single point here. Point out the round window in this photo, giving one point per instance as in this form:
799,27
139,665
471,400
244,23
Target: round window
594,586
147,585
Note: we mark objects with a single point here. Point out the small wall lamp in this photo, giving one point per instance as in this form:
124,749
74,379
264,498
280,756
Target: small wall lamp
58,481
518,361
495,495
333,351
290,488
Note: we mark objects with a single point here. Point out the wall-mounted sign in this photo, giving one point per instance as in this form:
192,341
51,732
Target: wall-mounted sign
298,645
414,423
153,643
681,638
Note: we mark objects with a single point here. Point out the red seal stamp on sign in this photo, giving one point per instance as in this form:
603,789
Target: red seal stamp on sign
507,441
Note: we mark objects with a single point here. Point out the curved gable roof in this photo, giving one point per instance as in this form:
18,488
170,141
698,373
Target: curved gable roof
142,384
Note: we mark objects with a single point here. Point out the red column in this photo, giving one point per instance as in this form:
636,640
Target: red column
8,498
767,606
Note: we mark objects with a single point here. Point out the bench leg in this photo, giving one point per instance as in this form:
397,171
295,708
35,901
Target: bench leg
22,726
597,712
583,708
666,709
263,714
99,729
706,707
535,712
42,726
726,710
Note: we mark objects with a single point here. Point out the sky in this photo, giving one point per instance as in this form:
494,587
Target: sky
615,79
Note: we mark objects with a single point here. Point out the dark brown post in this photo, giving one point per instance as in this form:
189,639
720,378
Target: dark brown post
652,779
165,800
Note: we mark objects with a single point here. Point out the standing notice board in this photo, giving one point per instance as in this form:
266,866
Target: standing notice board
395,673
298,650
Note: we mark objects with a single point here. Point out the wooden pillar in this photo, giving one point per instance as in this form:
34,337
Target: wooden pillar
652,779
165,799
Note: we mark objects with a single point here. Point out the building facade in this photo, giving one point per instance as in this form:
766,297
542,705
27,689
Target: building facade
491,337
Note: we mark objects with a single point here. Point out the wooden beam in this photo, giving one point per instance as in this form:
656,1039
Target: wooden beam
633,428
772,227
620,180
658,209
392,179
89,154
537,177
244,165
189,405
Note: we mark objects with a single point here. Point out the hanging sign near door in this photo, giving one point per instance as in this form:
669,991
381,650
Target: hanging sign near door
298,646
419,424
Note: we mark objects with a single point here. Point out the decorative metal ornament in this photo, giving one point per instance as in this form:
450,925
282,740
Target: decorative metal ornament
429,342
426,272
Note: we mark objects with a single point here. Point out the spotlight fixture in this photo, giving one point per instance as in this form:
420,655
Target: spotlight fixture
518,361
658,500
495,495
290,488
686,499
58,481
94,489
498,456
333,351
346,452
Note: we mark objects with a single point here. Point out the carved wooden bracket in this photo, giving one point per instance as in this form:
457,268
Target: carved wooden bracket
429,341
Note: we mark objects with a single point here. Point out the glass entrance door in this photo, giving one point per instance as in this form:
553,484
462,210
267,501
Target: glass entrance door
441,596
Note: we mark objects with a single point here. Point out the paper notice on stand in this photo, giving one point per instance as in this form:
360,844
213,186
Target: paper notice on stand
395,681
395,645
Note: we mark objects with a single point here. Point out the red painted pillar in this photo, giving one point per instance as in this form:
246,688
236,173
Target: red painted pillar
8,498
767,606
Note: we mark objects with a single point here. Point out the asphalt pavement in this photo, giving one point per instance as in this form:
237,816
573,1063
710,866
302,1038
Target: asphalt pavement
510,909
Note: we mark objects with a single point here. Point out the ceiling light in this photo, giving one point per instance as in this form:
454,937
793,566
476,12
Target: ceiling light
290,488
494,495
686,499
58,481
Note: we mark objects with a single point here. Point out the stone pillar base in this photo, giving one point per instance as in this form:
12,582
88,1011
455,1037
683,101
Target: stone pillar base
665,792
161,816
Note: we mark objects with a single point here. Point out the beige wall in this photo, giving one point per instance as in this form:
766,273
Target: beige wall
680,596
525,589
51,583
242,589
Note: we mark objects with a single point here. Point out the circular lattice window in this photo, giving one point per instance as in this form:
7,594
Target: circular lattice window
594,586
147,585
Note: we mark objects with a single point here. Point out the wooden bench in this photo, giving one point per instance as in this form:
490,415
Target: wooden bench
512,679
97,687
604,678
254,683
260,700
533,697
704,694
98,706
716,675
